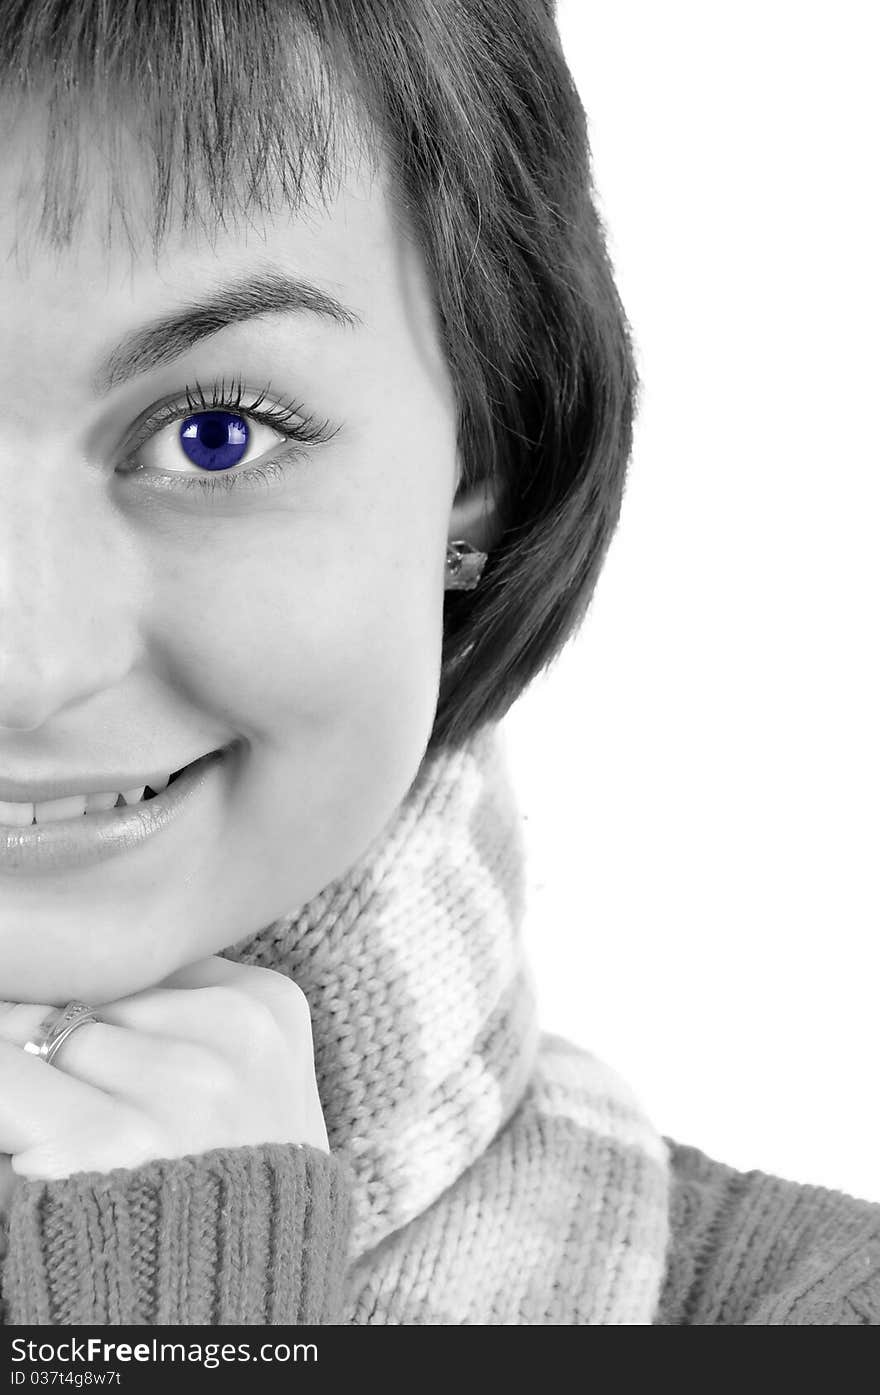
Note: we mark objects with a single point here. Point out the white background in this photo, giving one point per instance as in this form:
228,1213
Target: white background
700,772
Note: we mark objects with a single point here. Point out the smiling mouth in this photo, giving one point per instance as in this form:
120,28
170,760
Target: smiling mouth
91,806
149,793
77,838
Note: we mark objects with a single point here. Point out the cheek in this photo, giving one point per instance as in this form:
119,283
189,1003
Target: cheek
328,664
313,627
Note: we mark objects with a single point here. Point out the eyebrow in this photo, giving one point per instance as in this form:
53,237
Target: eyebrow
166,338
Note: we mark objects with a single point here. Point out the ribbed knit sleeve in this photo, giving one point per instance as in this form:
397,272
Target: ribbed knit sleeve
747,1248
254,1235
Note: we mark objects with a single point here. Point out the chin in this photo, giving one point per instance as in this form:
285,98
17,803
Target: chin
66,971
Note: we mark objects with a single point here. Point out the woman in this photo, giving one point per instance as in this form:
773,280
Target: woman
293,510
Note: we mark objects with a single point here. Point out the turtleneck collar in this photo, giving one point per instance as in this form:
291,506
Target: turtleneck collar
423,1007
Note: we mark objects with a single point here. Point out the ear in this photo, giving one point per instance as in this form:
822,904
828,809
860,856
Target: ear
475,516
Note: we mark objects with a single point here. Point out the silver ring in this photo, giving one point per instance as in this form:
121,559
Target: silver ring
57,1027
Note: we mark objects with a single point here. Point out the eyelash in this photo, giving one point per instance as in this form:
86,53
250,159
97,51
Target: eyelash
286,417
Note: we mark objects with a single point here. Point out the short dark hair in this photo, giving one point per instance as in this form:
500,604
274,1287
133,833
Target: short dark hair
472,105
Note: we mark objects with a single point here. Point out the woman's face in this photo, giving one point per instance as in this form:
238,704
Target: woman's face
143,625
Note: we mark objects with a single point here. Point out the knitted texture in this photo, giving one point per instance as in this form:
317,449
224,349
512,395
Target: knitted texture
500,1175
481,1171
253,1235
750,1249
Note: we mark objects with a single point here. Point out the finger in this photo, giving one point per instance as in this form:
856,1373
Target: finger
22,1022
34,1096
141,1068
205,973
251,1007
220,1021
241,1009
275,989
163,1043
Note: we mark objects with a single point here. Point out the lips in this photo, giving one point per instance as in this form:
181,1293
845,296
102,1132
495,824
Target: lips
62,807
70,844
149,793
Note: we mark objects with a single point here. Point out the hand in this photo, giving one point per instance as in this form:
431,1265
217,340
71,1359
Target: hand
218,1055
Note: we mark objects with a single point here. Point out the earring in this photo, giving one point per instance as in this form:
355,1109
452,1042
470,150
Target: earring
464,566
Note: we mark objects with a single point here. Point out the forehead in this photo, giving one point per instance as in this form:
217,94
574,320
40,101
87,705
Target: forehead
210,164
77,194
159,163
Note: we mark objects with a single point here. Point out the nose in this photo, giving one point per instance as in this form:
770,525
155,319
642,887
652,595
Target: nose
67,579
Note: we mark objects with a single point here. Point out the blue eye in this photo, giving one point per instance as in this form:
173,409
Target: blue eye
214,440
215,434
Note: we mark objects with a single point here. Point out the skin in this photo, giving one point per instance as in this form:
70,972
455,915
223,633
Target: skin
141,630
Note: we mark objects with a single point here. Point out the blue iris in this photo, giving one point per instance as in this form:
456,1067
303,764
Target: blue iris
214,440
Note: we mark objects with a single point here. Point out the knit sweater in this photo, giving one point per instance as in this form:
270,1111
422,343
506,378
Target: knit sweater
481,1169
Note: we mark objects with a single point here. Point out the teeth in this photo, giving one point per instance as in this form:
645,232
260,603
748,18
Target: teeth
51,809
74,805
97,803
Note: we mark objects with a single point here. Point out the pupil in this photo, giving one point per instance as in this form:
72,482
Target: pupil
214,440
212,434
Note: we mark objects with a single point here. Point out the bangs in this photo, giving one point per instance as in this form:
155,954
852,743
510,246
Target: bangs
226,107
